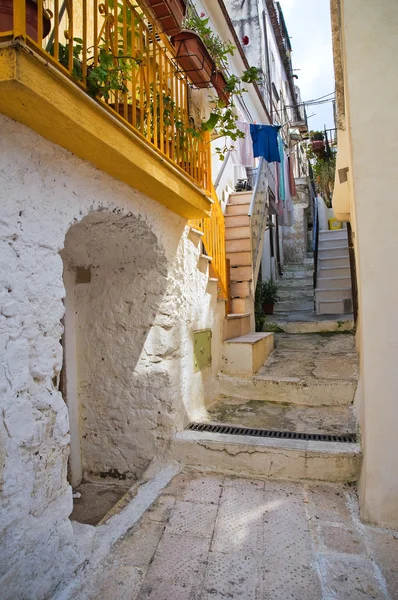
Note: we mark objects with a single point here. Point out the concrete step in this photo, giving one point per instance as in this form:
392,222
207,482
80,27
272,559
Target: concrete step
334,307
242,245
241,305
333,243
326,272
237,233
240,198
246,354
268,457
330,283
333,294
237,209
236,325
239,259
237,221
244,273
333,252
240,290
329,234
288,305
335,261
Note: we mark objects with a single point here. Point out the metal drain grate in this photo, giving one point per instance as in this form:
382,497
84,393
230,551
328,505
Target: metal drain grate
287,435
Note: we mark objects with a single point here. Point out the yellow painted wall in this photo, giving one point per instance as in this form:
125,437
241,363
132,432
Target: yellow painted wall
369,34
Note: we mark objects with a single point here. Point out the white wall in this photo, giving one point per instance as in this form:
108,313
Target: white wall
146,297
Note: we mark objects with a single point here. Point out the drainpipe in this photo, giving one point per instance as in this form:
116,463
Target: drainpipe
268,65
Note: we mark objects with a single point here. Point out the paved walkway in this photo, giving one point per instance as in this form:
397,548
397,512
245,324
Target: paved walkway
215,538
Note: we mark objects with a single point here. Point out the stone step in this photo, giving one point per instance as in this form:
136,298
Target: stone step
268,457
335,261
240,245
237,221
237,233
333,252
312,324
334,307
240,290
236,325
244,273
318,420
246,354
299,267
240,198
326,272
237,209
297,274
288,305
293,294
297,283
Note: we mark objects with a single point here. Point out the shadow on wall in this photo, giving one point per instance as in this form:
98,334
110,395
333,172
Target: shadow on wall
115,275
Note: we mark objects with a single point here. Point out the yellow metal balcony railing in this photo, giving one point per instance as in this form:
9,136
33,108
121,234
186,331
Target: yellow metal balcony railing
116,53
214,242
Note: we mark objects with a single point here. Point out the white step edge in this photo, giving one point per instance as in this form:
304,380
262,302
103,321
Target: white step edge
237,316
205,257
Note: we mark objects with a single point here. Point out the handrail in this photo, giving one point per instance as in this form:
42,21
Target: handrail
257,213
151,93
315,239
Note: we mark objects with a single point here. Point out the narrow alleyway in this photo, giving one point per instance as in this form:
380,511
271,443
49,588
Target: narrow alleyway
214,537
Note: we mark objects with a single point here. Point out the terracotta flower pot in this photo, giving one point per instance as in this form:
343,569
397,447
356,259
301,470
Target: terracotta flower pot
7,24
120,110
170,14
318,145
268,309
220,83
193,57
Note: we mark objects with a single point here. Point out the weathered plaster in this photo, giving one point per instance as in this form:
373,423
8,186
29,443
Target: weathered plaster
145,297
295,238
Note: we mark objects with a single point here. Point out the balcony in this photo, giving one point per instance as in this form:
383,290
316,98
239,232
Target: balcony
101,80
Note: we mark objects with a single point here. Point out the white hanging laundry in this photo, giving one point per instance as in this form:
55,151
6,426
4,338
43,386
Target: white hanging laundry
242,154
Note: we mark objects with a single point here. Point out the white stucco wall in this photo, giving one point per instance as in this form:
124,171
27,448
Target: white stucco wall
138,312
369,32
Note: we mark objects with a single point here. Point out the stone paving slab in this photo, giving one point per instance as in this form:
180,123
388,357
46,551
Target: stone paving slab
270,540
267,415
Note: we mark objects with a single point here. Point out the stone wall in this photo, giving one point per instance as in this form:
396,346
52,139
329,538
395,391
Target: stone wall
295,238
138,296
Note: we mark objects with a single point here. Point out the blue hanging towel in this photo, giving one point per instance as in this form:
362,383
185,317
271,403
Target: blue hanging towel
265,142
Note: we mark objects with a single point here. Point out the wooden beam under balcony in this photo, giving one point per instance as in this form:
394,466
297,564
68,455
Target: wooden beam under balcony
37,95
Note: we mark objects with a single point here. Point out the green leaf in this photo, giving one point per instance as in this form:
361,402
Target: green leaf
210,124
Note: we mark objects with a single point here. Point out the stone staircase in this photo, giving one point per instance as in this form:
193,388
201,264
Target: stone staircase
296,288
333,293
306,386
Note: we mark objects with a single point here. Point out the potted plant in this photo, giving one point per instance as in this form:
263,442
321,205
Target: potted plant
169,13
267,295
7,18
193,57
318,141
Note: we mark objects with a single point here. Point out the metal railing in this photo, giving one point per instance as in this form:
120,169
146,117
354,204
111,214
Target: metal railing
116,52
258,212
214,242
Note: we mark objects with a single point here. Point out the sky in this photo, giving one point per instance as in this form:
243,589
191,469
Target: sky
308,24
